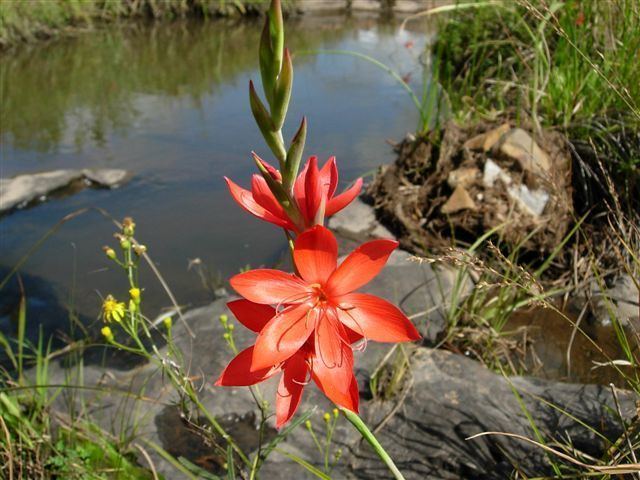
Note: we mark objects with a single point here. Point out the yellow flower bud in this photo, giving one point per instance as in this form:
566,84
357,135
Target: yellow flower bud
128,226
335,412
307,424
224,319
226,336
231,327
107,334
135,295
326,417
109,252
168,322
139,249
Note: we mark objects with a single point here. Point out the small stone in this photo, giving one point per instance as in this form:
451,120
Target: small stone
463,176
486,141
519,145
493,172
459,200
531,201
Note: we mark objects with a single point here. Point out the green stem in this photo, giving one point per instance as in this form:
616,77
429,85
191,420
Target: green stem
357,422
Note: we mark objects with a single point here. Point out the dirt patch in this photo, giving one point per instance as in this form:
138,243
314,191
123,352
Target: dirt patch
463,182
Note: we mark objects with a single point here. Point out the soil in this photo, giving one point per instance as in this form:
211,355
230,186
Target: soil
411,195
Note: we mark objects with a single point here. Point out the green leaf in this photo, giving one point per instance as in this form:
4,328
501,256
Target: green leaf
294,156
310,468
231,471
286,431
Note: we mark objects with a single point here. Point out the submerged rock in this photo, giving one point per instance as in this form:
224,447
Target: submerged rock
22,190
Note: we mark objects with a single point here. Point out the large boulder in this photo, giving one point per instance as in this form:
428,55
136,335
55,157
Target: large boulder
453,398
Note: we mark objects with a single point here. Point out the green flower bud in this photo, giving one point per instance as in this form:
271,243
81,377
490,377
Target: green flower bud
109,252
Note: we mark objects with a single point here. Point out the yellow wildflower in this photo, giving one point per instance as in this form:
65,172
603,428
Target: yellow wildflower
112,309
107,334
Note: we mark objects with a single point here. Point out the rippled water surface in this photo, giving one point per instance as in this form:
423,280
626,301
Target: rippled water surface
169,103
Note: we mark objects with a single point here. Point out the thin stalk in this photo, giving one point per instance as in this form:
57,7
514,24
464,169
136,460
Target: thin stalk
357,422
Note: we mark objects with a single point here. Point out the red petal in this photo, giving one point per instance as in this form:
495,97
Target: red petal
238,373
283,336
254,316
264,197
337,383
360,267
270,287
299,190
245,199
337,203
316,254
376,318
290,389
313,190
329,340
329,176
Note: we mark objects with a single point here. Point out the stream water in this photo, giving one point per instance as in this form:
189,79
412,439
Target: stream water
169,103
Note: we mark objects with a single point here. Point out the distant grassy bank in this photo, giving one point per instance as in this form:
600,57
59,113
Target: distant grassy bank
29,20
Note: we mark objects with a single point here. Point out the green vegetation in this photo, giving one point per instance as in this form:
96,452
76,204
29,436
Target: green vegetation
35,19
568,65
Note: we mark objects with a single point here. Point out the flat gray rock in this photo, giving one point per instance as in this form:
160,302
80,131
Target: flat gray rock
453,398
358,222
22,190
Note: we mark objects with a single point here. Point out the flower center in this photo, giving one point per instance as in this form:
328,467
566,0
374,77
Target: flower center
318,292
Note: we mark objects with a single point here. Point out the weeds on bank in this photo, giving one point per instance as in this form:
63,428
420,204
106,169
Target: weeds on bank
27,21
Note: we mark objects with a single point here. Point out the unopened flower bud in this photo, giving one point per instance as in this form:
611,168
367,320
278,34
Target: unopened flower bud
231,327
326,417
107,334
226,336
139,249
128,226
307,424
335,412
132,306
224,319
125,244
135,295
109,252
168,323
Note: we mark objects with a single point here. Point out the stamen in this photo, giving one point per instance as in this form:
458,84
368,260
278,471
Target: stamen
297,298
360,330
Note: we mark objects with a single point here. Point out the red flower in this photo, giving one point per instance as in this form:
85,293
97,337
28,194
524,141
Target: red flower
319,304
313,194
337,383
